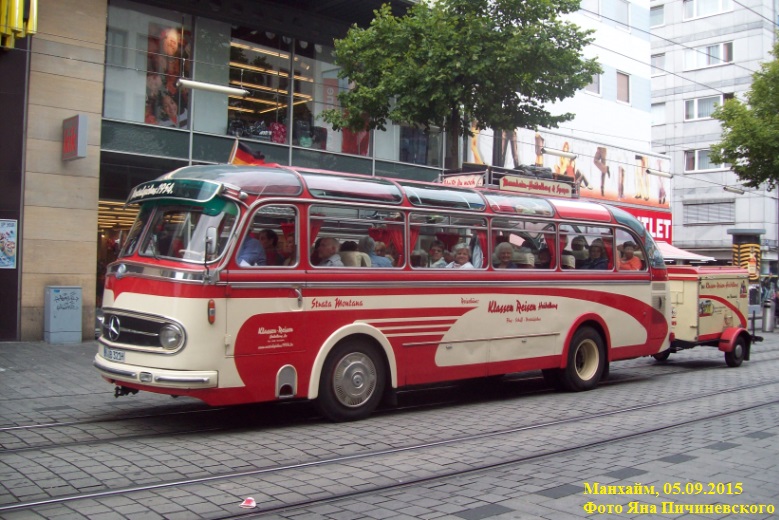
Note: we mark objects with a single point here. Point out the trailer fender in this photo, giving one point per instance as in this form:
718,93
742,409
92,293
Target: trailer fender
729,337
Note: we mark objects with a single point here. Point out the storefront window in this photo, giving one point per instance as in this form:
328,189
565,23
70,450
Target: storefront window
260,63
147,51
290,83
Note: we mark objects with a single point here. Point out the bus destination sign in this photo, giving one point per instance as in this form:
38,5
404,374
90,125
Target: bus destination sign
536,186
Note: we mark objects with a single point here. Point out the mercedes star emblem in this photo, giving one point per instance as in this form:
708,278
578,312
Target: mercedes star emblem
113,328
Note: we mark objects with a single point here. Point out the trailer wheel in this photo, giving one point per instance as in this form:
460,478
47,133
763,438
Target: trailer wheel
736,356
352,381
586,361
662,356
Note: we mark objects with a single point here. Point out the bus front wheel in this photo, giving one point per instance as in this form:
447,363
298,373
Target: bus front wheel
352,382
586,361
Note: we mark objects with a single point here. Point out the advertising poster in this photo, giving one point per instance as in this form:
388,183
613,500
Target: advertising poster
602,172
169,58
8,244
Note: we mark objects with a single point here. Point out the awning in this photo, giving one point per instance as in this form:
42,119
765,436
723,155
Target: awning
674,253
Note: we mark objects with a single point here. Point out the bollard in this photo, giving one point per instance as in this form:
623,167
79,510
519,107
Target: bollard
768,316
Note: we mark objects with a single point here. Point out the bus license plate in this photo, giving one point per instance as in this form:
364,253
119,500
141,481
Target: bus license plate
113,355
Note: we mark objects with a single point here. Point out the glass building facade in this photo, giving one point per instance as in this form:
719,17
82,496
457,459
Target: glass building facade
290,80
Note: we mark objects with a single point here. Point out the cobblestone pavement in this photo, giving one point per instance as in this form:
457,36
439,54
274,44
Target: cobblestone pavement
725,467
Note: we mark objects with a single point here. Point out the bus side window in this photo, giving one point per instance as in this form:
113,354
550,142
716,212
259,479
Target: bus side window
630,256
600,247
436,237
372,237
269,238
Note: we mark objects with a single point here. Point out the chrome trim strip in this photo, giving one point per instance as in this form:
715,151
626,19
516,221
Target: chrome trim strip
181,379
425,343
139,332
436,284
115,371
146,271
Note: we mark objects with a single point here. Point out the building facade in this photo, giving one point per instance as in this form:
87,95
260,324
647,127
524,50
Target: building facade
704,52
116,66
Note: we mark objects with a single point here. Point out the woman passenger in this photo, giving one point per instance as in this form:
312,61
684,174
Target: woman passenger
597,259
462,258
505,253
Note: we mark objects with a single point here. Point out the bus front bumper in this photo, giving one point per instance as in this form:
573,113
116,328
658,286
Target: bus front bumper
156,377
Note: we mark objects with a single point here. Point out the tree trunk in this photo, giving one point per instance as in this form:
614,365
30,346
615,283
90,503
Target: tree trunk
452,159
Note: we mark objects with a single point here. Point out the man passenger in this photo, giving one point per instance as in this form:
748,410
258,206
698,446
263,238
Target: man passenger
327,251
368,246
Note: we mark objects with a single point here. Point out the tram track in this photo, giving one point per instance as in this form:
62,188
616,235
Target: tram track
232,419
476,441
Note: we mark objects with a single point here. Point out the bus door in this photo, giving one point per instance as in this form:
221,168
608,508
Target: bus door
265,296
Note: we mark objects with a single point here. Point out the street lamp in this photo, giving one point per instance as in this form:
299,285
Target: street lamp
732,189
658,173
559,153
211,87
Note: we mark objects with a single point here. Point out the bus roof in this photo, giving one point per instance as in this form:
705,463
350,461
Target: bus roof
328,185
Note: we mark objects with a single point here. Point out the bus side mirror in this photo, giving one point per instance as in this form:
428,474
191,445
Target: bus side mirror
210,242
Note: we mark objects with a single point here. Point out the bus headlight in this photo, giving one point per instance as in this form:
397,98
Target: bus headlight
171,337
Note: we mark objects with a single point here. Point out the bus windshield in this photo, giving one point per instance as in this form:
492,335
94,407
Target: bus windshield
179,231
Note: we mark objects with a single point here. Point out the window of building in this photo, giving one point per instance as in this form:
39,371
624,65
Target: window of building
657,16
622,13
658,64
594,86
623,87
698,8
709,213
658,113
701,108
695,160
591,7
708,56
147,52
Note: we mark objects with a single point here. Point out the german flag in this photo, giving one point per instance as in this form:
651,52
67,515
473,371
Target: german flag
243,154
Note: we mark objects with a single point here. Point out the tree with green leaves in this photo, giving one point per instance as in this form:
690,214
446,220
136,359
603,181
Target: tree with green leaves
750,129
462,65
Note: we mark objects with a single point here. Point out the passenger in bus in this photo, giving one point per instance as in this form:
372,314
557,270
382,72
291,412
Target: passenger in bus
543,259
314,257
289,252
436,254
270,242
251,253
349,245
579,250
327,251
568,261
628,260
597,259
505,254
462,257
418,258
368,246
526,260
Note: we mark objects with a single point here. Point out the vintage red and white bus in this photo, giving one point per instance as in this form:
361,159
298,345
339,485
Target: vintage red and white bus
204,302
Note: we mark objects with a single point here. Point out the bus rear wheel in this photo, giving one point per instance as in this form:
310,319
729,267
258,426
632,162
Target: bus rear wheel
586,361
352,382
735,357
